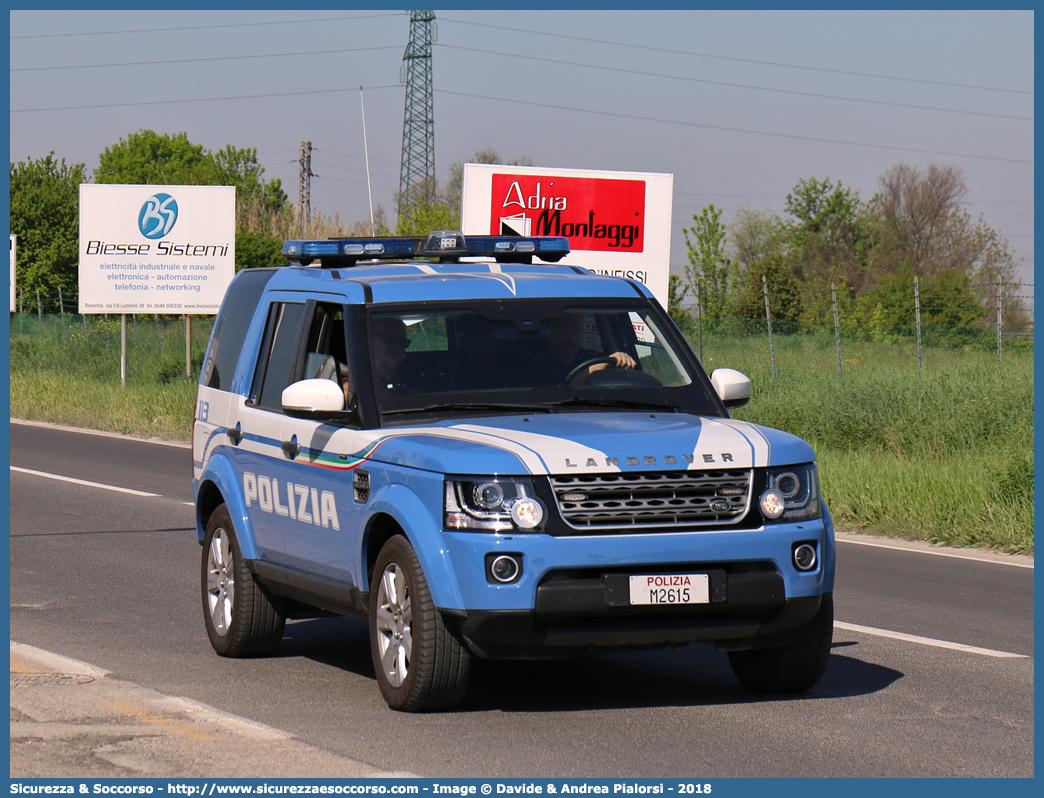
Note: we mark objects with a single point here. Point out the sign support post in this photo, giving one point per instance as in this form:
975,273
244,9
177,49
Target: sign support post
123,350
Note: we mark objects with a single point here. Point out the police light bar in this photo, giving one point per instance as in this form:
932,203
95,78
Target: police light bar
446,245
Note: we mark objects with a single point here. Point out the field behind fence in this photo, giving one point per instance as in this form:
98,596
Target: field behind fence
848,336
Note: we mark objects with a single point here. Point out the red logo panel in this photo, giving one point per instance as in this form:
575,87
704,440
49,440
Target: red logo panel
597,214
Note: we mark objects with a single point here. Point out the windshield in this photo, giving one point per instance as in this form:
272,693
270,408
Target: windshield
529,356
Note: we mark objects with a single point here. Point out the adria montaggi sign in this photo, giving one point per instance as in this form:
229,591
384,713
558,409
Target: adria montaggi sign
156,249
617,223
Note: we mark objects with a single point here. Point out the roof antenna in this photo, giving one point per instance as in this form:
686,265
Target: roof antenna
366,155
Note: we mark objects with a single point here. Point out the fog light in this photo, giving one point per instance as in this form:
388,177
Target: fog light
772,503
527,513
504,568
805,557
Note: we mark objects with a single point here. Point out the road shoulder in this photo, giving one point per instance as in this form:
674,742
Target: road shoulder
70,719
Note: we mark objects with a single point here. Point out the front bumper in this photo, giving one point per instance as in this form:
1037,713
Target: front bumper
747,610
572,594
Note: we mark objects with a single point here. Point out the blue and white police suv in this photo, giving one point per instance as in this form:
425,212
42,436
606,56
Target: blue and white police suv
485,456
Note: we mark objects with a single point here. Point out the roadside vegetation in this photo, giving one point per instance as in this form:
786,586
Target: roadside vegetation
943,455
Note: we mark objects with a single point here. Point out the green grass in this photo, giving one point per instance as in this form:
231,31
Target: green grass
943,455
66,377
149,411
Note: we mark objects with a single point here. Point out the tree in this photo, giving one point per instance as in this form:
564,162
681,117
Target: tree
709,271
921,229
915,209
239,168
149,158
755,235
784,292
827,242
45,211
425,216
256,249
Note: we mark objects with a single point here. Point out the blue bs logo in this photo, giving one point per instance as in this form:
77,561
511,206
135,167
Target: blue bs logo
157,216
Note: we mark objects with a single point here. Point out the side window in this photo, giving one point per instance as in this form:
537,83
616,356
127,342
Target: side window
230,329
326,356
282,342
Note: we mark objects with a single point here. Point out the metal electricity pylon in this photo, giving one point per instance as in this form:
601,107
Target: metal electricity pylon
306,181
417,172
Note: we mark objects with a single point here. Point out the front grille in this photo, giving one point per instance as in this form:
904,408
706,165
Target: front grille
673,498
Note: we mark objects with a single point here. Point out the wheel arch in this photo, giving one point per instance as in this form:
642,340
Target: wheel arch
219,485
396,509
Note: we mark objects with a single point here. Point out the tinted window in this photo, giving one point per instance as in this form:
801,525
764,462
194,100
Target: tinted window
230,329
284,337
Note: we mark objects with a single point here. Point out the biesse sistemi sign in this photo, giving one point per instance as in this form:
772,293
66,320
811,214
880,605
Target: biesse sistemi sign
617,223
156,249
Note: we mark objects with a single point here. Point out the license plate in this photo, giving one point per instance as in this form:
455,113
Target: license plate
670,589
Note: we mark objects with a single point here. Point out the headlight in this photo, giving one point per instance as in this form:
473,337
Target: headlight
495,504
792,493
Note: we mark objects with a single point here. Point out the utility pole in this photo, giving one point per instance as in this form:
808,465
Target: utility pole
306,181
417,173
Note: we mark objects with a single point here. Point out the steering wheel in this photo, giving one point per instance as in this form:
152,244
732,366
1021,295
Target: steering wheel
586,364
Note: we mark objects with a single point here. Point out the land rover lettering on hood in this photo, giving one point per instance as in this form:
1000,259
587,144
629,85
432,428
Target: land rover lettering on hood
486,453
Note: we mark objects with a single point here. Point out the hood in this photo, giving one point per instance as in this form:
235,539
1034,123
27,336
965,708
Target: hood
561,443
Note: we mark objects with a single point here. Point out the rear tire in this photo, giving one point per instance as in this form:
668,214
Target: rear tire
795,667
242,617
421,664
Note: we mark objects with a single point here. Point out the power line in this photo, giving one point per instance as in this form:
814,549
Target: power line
733,58
215,58
199,99
736,129
736,85
535,104
202,27
353,155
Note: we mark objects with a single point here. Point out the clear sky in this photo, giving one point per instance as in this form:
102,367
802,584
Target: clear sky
737,105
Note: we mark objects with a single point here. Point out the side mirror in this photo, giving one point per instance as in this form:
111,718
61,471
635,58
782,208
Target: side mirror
316,398
733,387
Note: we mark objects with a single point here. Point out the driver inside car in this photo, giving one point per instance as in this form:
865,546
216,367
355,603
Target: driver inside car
566,351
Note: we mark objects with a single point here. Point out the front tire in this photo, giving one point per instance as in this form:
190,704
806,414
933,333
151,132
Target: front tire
420,662
242,618
795,667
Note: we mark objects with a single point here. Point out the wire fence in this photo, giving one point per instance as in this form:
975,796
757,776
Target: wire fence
836,333
787,329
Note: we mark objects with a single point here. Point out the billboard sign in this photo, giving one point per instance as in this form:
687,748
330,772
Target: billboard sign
617,223
156,249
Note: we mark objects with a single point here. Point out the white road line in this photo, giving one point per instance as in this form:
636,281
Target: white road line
82,482
927,641
935,553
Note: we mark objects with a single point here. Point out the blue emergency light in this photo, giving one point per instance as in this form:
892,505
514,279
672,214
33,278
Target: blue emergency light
448,246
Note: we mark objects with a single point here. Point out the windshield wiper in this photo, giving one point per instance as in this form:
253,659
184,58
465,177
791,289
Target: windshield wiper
613,403
508,408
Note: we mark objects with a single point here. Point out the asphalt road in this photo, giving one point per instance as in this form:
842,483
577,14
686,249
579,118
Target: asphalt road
915,686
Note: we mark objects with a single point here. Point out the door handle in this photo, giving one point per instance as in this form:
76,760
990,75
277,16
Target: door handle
235,434
291,449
